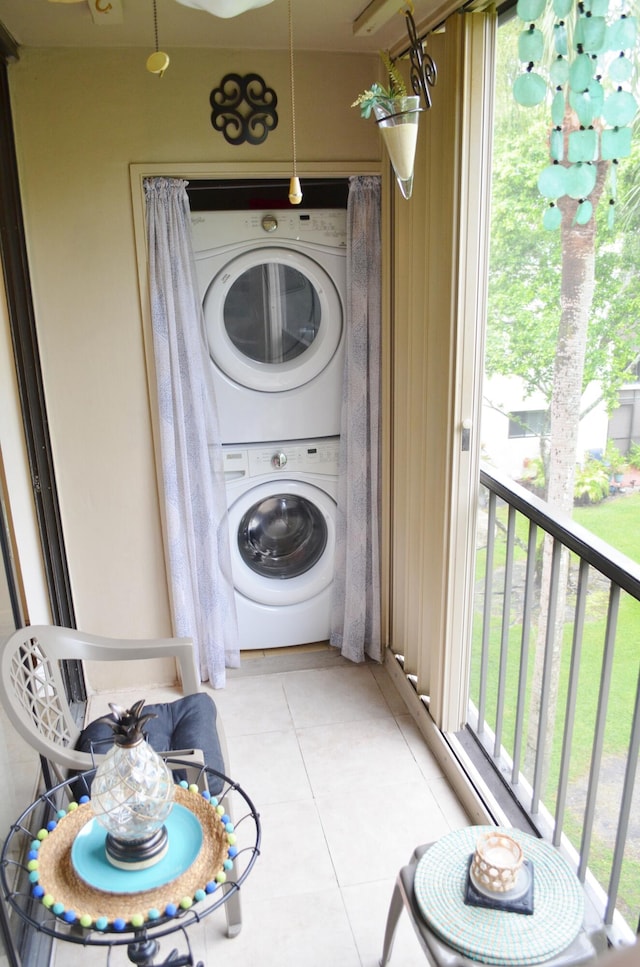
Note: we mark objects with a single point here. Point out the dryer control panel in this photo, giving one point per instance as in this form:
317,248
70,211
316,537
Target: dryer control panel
301,456
324,226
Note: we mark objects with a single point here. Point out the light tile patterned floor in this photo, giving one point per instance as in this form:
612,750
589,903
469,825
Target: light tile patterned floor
345,788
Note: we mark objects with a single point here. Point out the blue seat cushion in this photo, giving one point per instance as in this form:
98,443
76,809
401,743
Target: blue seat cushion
187,723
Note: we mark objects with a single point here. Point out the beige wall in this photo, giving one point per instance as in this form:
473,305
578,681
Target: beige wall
81,118
440,238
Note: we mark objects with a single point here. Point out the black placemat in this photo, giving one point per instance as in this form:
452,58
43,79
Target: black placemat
522,904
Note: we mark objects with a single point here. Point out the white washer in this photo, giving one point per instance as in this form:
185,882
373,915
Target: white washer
282,523
273,287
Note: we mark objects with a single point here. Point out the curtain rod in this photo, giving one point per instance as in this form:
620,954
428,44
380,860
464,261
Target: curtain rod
214,184
463,8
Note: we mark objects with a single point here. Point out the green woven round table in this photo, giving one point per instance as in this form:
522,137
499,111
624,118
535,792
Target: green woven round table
499,936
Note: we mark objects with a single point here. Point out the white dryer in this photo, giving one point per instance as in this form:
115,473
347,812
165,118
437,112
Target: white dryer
282,518
273,287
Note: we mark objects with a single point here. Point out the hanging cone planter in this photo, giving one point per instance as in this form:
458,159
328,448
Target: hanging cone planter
397,112
397,120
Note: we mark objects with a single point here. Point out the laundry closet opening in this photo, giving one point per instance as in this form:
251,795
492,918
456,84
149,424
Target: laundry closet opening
272,282
249,194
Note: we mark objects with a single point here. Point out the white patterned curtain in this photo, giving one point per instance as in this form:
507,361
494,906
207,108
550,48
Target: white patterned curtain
195,504
355,626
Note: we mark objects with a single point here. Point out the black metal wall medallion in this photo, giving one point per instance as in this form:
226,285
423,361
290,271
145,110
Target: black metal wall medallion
243,108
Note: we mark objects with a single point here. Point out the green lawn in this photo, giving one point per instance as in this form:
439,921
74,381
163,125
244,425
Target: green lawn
616,521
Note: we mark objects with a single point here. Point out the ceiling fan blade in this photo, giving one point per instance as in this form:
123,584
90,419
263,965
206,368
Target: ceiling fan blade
225,8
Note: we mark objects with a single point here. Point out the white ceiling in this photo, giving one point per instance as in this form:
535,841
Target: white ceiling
317,25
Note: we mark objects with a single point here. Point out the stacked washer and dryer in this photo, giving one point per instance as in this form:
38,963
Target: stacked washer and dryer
273,287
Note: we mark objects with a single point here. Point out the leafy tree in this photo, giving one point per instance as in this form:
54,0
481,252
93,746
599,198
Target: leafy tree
526,260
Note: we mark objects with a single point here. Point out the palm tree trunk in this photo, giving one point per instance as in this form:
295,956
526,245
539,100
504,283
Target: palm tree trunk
576,298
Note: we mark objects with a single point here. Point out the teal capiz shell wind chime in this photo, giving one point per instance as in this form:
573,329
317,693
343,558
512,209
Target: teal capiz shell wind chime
587,80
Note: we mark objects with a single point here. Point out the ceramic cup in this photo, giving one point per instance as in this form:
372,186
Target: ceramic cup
496,862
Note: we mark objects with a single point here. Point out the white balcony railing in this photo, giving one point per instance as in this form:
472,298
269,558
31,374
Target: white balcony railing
555,686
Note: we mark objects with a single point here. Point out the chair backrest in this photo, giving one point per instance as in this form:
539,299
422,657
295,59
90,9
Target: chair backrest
32,688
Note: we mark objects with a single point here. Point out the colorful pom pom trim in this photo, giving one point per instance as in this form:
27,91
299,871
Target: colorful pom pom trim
120,924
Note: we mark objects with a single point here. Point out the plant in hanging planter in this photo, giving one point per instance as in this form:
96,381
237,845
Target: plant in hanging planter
396,114
379,96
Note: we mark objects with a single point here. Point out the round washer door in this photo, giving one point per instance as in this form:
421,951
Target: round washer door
282,542
273,318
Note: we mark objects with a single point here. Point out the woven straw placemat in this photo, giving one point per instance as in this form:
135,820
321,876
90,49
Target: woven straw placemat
59,880
499,936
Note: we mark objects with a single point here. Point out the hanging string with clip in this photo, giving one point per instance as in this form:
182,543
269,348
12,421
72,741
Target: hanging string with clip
295,191
157,62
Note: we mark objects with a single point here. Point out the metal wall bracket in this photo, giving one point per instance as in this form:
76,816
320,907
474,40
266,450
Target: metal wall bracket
424,73
243,108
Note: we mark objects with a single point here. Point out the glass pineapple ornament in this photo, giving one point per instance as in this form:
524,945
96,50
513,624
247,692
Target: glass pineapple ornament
132,793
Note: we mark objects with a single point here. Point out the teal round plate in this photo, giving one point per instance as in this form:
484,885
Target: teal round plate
495,936
91,864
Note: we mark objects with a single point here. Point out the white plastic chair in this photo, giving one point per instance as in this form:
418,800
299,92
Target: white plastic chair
33,695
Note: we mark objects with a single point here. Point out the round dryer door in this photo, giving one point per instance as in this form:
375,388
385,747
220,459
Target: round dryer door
282,542
273,318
